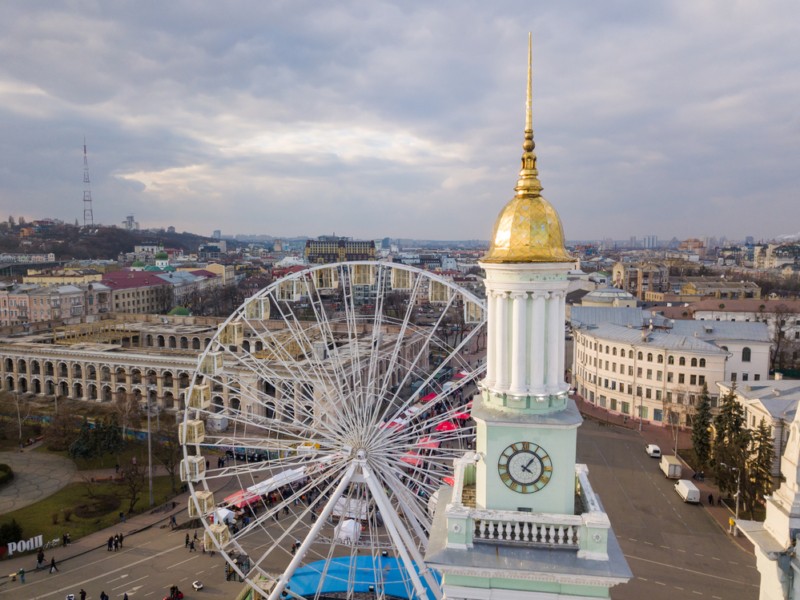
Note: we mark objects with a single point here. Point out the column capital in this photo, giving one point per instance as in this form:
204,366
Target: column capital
515,295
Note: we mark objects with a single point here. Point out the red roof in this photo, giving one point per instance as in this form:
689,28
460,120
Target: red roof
121,280
204,273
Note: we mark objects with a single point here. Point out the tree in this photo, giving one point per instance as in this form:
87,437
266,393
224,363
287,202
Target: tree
762,457
63,430
134,481
701,425
731,443
84,445
781,318
168,452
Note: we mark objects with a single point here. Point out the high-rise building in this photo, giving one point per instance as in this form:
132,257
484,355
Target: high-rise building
513,501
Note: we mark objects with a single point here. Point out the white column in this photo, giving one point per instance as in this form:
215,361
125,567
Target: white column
537,344
518,336
562,317
552,343
501,355
491,342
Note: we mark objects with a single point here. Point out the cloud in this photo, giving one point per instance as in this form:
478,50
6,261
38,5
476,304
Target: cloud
402,119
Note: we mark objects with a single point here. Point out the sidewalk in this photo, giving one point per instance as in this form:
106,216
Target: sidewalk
155,517
664,437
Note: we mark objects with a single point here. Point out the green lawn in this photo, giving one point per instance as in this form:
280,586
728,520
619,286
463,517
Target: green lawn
108,461
99,511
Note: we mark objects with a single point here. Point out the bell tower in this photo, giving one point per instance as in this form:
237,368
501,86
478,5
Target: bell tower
521,494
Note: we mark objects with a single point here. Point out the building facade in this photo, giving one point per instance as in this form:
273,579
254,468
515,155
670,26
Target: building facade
657,374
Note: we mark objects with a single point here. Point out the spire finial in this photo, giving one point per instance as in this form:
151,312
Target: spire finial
528,182
529,102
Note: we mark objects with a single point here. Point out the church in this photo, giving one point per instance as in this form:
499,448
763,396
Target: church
521,520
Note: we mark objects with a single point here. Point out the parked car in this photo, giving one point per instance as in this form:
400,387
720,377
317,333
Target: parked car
653,451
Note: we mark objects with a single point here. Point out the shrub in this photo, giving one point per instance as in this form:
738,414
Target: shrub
6,474
10,532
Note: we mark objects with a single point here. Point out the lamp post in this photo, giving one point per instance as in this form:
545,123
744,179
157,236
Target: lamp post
149,453
733,530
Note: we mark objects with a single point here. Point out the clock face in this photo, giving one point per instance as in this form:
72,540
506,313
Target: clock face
525,467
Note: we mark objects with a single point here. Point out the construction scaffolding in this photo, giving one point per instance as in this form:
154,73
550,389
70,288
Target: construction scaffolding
106,331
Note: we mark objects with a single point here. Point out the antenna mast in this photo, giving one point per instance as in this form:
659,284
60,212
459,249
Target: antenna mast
88,218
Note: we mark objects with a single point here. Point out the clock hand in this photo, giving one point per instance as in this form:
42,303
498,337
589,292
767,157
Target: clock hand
525,468
530,462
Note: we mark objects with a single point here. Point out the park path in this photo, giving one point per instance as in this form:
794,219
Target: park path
37,475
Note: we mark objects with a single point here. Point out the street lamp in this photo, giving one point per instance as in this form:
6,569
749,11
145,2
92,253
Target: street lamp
735,525
149,452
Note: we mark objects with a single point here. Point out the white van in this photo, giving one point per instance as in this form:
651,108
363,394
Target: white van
653,451
688,491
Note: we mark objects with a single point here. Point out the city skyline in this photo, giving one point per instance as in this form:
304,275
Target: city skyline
378,120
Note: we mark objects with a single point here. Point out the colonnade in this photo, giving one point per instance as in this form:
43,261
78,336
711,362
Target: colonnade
525,350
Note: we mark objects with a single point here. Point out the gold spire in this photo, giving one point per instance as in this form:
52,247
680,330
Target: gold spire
528,228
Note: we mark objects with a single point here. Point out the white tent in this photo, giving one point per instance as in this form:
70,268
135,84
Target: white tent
348,531
351,508
223,515
279,480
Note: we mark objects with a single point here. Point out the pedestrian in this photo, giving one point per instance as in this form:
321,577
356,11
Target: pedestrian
116,468
711,499
191,546
53,567
40,559
121,517
82,594
110,543
203,547
173,522
121,537
719,500
21,574
125,596
195,534
186,541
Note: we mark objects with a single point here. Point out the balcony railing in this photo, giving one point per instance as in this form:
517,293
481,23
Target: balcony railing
586,532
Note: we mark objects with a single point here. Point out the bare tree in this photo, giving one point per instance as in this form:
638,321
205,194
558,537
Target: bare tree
168,452
134,481
781,318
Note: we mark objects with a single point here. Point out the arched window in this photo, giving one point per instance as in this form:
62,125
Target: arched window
640,356
660,359
630,353
694,362
682,361
607,350
649,357
614,351
671,360
745,354
702,362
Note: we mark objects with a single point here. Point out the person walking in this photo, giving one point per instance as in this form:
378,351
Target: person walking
121,537
186,541
82,594
21,574
53,567
191,546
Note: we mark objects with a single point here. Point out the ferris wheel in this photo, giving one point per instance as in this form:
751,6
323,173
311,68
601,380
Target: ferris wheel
322,419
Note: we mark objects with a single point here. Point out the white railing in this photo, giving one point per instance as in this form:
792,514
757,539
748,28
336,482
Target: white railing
586,532
524,528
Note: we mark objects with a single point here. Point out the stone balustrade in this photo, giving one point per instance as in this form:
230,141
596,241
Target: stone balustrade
586,532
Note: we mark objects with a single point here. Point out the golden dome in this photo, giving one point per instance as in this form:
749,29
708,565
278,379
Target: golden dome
528,228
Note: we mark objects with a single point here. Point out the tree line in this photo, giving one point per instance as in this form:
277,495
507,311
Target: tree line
739,458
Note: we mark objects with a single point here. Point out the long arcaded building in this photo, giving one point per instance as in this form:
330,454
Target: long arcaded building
152,359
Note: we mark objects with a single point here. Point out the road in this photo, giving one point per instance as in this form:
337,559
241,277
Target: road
675,550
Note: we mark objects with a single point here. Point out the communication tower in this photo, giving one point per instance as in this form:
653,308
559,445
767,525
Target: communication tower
88,218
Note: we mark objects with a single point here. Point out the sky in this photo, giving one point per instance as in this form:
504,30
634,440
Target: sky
374,119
